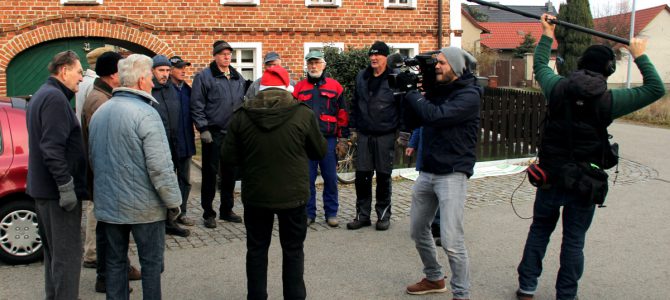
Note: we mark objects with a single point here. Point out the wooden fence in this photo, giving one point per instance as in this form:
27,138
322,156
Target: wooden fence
510,123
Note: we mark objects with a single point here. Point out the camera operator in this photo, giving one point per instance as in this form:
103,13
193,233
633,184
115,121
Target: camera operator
375,115
580,107
449,114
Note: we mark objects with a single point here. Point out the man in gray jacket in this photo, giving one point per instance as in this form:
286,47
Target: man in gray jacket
135,186
217,91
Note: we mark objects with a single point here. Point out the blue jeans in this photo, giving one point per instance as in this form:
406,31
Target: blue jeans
329,174
576,221
446,193
150,240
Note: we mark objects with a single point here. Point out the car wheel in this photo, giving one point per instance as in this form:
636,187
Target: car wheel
20,242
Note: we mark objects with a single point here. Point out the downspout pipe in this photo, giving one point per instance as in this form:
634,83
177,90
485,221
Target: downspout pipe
439,24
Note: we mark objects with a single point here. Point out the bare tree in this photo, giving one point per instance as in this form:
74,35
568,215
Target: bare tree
615,21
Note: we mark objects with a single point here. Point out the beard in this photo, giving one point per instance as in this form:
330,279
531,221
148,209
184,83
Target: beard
315,74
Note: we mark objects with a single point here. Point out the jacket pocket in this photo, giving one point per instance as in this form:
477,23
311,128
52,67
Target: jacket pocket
328,124
305,97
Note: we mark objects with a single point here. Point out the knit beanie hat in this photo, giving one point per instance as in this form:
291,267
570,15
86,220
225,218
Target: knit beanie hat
92,56
276,77
460,60
107,63
161,61
380,48
219,46
596,58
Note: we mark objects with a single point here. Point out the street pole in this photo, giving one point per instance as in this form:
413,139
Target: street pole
631,36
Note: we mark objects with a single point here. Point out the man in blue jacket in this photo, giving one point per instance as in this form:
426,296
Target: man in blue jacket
57,174
217,91
449,114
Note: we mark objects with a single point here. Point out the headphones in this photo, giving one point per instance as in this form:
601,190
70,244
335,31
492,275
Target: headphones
610,68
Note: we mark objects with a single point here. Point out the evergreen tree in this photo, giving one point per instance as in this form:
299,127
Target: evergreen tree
526,46
571,43
344,66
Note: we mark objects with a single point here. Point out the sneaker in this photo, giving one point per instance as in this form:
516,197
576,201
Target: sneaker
176,230
383,225
523,296
134,273
210,222
90,264
332,222
357,224
310,221
426,286
186,221
231,217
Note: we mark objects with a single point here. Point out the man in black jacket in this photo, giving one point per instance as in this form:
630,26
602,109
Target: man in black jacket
375,116
449,114
169,109
57,174
217,91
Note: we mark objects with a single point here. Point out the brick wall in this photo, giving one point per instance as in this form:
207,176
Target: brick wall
189,27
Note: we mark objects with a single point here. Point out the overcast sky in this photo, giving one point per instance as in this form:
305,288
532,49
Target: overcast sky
596,5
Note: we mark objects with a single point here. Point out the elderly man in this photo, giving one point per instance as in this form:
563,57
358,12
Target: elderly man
185,136
324,96
448,112
106,68
57,174
272,138
217,91
135,187
169,108
375,115
271,59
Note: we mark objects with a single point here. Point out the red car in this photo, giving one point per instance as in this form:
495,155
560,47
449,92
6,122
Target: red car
20,242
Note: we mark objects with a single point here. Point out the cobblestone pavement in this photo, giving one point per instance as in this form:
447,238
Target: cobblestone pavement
481,192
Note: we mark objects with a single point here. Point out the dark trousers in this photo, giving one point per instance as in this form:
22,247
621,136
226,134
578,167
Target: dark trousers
101,252
150,240
363,184
577,218
211,158
184,179
292,232
328,166
60,231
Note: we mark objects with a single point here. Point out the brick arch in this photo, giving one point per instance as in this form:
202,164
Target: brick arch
66,26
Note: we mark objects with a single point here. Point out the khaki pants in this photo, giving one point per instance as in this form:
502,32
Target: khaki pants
89,242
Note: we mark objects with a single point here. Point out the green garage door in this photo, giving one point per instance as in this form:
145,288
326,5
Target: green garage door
28,70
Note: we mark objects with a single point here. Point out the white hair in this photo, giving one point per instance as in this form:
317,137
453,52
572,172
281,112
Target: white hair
133,67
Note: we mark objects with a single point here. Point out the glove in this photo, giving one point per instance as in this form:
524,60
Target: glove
403,139
68,198
341,148
173,213
206,137
353,136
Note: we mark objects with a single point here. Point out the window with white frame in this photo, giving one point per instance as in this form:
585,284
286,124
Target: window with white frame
400,3
319,46
80,2
406,49
332,3
247,59
240,2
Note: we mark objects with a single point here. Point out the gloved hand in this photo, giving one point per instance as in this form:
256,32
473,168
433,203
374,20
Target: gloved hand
206,137
173,213
68,198
403,138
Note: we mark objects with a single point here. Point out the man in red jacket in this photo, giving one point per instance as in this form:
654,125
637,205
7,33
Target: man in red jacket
324,96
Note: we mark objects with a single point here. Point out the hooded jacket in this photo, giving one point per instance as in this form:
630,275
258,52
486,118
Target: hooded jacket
272,138
449,115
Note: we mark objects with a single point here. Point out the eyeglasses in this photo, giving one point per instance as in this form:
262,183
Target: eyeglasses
314,63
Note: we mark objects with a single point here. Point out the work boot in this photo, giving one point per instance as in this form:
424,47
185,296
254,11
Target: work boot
383,225
357,224
210,222
186,221
523,296
426,286
332,222
134,273
231,217
174,229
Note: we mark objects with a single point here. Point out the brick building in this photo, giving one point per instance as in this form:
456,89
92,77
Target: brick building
32,31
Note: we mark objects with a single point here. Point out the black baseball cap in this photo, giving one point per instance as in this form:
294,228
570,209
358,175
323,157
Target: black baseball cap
177,62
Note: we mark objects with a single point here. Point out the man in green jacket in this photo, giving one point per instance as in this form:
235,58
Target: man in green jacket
574,151
272,139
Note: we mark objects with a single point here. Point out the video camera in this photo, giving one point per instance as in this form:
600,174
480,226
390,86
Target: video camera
413,73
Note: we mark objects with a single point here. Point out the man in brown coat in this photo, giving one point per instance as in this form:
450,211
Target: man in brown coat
107,70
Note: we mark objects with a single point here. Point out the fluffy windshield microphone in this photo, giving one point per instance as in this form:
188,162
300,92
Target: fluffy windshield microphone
395,60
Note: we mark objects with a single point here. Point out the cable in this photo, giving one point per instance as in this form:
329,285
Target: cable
512,197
